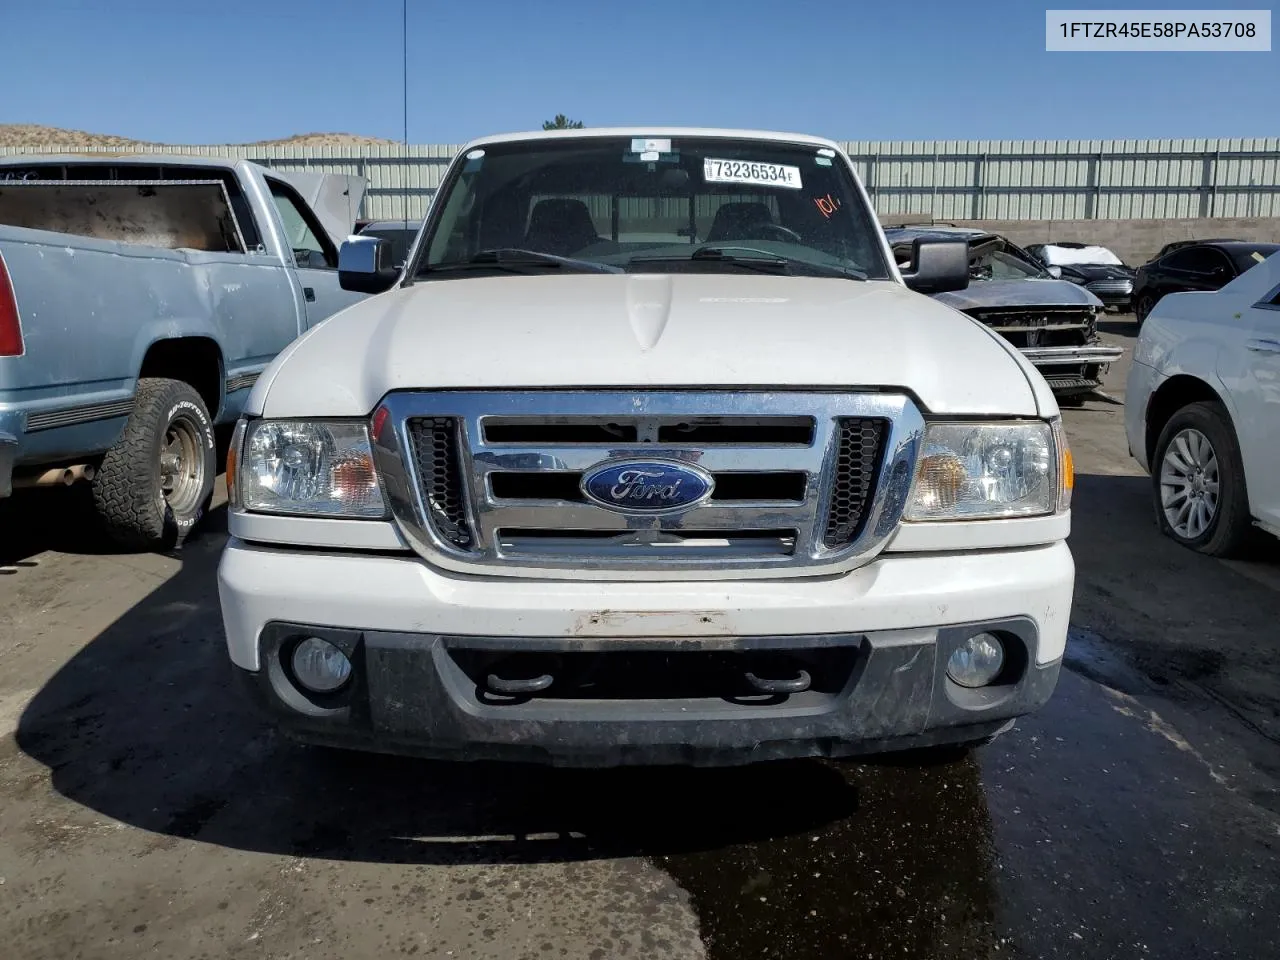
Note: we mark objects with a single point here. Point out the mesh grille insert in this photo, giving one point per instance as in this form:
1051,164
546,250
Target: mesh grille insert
857,462
435,450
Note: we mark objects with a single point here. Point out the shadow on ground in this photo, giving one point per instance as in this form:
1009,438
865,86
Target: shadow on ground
145,725
58,518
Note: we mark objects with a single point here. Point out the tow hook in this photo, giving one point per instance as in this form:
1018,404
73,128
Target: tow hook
518,686
797,684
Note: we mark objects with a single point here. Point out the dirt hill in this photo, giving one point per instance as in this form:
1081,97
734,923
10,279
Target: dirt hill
34,135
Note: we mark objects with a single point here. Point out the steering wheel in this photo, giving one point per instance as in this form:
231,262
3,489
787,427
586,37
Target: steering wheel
775,231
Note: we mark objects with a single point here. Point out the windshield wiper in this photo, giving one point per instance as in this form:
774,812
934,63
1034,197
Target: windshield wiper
517,260
752,258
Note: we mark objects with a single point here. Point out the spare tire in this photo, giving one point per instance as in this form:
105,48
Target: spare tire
155,484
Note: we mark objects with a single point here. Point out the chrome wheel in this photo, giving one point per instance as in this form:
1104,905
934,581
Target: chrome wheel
1189,484
182,466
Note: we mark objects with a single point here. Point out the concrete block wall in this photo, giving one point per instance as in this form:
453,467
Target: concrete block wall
1133,241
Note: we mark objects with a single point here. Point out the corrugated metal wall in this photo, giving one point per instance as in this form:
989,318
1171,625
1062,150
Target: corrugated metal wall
950,179
1073,179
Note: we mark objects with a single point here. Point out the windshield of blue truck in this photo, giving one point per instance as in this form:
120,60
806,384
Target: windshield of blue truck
655,205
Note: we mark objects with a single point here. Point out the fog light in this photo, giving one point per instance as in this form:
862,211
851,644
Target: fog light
320,666
976,661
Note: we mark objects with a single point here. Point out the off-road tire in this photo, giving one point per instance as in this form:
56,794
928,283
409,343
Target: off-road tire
1231,529
127,491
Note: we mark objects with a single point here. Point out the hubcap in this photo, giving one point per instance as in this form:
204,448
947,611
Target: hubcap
1189,484
181,466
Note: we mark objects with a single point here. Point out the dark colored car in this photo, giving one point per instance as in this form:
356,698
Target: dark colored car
1179,244
1208,265
1093,267
400,233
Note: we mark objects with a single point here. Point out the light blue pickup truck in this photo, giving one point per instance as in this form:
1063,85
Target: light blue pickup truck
140,298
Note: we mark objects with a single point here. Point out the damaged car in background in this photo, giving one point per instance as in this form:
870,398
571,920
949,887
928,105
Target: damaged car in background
1054,323
1093,267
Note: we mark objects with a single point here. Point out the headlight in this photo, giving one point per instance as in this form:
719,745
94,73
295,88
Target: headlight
981,471
317,469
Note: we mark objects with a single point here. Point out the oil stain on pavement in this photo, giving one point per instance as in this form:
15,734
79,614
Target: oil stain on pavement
1089,831
908,872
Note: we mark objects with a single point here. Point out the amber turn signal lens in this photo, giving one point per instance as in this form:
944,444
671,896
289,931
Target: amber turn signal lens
233,464
1066,469
355,479
942,478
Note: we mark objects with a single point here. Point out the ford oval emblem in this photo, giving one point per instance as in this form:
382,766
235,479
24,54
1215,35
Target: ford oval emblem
647,486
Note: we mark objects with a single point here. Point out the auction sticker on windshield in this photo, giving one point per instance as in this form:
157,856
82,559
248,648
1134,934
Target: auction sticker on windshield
745,171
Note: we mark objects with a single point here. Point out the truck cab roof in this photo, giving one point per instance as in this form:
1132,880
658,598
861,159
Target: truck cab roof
654,133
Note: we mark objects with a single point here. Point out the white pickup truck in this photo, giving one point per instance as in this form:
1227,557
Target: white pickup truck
649,455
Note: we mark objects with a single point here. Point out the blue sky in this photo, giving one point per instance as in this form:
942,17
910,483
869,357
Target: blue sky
234,70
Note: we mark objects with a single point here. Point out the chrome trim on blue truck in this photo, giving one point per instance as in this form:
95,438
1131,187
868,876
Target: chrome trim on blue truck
69,416
243,381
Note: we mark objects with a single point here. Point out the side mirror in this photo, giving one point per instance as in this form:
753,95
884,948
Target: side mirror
364,265
938,266
1054,271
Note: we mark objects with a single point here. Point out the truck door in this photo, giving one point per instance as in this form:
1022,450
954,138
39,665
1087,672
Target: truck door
314,255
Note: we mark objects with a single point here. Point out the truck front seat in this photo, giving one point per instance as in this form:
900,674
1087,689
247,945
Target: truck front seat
561,227
735,221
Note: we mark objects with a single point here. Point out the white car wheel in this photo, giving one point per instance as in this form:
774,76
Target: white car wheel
1198,480
1189,484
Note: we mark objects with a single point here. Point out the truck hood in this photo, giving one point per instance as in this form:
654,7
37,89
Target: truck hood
645,330
1020,293
333,197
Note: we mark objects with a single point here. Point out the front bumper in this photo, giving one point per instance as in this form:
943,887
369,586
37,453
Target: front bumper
634,655
1059,356
8,453
1073,370
1113,298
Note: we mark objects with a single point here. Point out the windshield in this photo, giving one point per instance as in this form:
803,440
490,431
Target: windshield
658,205
994,258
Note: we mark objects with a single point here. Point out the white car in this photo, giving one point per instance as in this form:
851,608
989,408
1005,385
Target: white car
1202,410
649,455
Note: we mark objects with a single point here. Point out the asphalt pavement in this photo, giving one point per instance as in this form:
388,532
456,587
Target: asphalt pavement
145,811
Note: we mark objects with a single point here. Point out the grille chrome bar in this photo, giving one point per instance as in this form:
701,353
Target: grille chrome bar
515,536
714,459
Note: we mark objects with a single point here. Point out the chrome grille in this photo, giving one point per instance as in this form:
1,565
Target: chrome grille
857,457
1110,286
489,481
